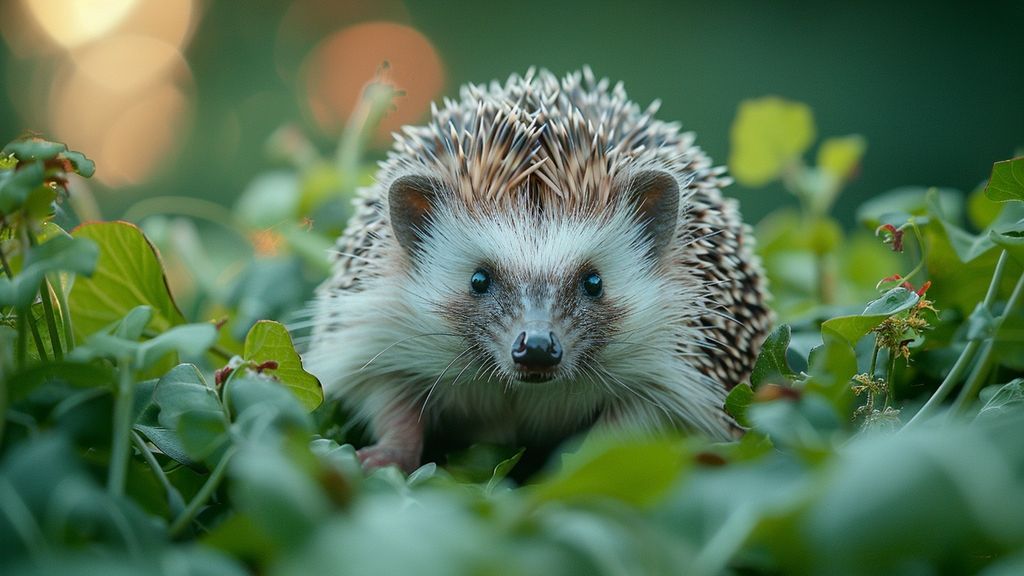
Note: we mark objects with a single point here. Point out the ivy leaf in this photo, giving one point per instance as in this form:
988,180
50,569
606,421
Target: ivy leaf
772,359
1007,181
269,341
129,274
768,134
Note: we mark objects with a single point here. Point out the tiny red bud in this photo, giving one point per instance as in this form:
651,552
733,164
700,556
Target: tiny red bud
924,288
268,365
221,375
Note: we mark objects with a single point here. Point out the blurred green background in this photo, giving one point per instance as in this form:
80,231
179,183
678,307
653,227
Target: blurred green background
178,97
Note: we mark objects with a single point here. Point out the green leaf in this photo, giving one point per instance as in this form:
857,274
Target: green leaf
183,398
190,340
852,328
840,156
1007,181
772,361
1009,398
61,253
129,274
269,200
1010,240
898,205
16,187
270,341
607,469
737,402
829,370
967,246
25,149
767,135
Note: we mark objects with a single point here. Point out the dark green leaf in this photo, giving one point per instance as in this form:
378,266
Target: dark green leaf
771,362
1007,181
61,253
737,402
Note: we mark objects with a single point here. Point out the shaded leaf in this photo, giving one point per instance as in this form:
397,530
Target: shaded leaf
840,156
1009,398
737,402
852,328
772,359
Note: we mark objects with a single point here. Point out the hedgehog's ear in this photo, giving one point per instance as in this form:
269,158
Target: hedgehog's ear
655,196
410,201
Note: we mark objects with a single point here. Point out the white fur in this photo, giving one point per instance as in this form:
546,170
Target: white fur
396,345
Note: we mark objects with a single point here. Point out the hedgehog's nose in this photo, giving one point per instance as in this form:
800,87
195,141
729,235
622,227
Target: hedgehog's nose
534,350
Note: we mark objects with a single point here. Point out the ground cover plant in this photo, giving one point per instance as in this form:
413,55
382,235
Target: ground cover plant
155,416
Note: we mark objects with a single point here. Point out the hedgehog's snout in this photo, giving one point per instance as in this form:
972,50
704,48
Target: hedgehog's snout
537,350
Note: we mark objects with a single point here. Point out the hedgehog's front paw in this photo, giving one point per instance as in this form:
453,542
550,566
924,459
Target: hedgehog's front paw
382,456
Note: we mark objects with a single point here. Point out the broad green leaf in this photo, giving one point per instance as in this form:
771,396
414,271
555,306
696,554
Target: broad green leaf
129,274
840,156
852,328
270,341
737,402
182,397
260,406
772,361
78,374
1009,398
767,135
637,472
1007,181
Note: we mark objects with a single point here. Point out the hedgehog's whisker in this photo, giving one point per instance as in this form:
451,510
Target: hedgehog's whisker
406,339
430,391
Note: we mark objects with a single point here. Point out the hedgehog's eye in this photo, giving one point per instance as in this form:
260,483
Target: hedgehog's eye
480,281
592,284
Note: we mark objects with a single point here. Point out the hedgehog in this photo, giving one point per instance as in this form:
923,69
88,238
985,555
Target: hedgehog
542,258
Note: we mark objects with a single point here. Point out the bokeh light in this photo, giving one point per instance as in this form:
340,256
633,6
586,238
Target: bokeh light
114,81
336,71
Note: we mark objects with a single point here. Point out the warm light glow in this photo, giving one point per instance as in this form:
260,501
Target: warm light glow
71,23
124,63
129,133
141,137
338,68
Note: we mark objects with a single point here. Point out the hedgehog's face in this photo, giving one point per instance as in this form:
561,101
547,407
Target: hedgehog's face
536,297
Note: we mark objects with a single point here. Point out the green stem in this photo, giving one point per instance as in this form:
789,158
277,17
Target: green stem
175,502
120,450
22,347
45,294
985,361
65,314
192,510
958,369
890,377
36,337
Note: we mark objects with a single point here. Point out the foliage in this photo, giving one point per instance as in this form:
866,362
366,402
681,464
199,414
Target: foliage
156,418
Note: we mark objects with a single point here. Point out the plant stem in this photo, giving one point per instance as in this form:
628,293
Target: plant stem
981,369
203,495
951,379
36,337
175,502
51,320
120,450
65,314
